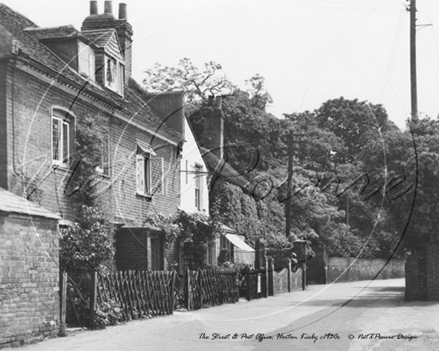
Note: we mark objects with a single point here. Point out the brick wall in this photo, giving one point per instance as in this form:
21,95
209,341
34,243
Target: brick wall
432,272
29,154
133,209
421,274
30,104
132,249
29,293
3,127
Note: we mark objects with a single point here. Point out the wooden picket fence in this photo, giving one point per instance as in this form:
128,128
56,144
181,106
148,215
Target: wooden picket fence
210,287
90,298
137,293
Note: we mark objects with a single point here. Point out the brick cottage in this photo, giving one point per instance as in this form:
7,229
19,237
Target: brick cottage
51,79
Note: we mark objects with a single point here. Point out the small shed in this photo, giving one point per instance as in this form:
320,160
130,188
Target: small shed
29,271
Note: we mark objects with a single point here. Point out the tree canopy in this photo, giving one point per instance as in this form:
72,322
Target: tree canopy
361,186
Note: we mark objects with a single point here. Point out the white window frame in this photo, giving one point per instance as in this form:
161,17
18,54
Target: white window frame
118,84
143,170
63,160
86,60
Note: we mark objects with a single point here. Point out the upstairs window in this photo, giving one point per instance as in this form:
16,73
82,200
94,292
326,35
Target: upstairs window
149,171
62,131
86,60
114,75
143,174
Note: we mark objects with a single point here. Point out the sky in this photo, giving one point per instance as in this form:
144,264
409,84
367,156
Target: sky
309,51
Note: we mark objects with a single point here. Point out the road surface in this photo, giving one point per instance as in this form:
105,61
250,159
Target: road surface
347,316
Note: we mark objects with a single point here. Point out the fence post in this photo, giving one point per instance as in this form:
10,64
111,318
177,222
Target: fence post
248,284
173,284
304,275
265,280
270,276
237,286
289,272
63,301
199,284
187,290
93,299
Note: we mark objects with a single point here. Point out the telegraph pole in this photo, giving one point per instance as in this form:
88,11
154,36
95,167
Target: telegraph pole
289,186
288,207
412,38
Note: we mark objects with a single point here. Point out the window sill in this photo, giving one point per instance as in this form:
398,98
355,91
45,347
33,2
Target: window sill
101,173
145,196
61,166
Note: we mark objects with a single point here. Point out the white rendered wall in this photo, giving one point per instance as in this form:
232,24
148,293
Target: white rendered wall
190,157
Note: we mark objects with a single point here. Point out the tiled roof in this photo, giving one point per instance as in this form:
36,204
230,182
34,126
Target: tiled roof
27,33
12,203
98,37
53,32
136,108
21,29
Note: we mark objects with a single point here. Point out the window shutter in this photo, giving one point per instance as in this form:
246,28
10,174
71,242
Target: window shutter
156,175
140,174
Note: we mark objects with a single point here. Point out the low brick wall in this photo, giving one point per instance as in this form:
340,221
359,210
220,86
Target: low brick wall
350,269
421,273
29,290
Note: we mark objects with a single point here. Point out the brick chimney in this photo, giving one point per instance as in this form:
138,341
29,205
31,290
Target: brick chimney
214,127
108,21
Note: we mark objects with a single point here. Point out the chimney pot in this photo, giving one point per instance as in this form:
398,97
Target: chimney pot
93,7
108,8
122,11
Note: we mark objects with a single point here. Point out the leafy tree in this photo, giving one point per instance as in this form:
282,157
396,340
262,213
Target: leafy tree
258,94
355,122
410,198
251,136
196,84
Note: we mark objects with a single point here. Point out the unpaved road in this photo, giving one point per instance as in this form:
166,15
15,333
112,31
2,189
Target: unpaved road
347,316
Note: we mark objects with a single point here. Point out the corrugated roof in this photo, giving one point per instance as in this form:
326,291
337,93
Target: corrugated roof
12,203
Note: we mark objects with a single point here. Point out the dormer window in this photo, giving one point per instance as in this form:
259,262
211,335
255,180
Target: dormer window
114,75
86,60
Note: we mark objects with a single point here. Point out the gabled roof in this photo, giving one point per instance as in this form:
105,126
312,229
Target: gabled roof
11,203
31,48
99,37
28,36
105,39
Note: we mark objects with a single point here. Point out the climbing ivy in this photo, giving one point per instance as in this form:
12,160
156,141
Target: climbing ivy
88,243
